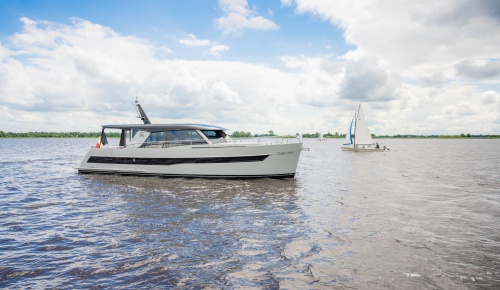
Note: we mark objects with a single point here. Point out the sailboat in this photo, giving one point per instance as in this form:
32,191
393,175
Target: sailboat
321,137
358,137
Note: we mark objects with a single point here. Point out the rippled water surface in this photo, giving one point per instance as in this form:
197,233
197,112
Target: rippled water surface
424,215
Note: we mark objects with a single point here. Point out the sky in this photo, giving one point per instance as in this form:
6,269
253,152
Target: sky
291,66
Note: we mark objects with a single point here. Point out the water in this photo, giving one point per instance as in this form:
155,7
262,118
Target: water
423,216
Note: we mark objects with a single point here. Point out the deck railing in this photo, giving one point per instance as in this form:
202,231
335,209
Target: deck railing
229,142
266,140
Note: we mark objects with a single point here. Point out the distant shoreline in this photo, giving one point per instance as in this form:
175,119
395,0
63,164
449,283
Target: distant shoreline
306,135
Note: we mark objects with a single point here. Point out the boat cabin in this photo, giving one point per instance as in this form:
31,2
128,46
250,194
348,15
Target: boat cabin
165,136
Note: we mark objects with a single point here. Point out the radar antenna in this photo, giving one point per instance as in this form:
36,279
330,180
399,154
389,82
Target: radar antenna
140,111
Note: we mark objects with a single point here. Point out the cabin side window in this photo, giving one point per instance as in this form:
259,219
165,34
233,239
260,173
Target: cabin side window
183,135
156,137
178,137
215,136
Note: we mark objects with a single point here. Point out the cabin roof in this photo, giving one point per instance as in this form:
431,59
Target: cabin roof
150,127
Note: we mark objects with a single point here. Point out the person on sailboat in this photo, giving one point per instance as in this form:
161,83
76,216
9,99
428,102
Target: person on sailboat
376,145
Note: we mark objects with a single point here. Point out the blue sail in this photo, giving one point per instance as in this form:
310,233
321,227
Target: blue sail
350,134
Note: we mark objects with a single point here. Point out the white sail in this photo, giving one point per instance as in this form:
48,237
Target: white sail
362,134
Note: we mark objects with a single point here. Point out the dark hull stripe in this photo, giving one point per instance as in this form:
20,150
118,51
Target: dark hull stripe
284,175
174,161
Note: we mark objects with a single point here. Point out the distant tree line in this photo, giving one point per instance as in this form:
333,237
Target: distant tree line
57,134
441,136
327,135
236,134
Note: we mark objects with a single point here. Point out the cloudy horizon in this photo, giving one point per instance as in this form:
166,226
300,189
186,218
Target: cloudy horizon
290,66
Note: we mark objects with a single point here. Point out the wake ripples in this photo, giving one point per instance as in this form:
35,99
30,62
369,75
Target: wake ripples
409,218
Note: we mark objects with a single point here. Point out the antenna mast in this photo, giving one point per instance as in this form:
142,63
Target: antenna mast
142,114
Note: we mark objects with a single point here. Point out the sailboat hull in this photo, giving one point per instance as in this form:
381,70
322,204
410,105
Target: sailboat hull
361,149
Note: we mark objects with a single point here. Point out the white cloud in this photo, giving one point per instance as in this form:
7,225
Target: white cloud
478,69
415,37
216,49
83,74
56,77
365,81
318,79
223,95
491,97
312,63
238,17
434,79
407,57
60,67
4,52
192,40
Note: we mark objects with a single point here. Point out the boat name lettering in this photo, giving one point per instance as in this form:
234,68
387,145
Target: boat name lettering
285,153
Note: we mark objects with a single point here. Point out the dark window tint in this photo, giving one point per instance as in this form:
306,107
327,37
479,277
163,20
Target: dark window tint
214,134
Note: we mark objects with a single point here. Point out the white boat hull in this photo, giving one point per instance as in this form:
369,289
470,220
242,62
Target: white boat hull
208,161
360,149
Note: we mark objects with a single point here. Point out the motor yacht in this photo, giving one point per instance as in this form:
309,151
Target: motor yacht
190,150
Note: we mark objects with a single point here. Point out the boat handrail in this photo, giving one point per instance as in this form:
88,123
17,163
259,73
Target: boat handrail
168,144
264,140
268,139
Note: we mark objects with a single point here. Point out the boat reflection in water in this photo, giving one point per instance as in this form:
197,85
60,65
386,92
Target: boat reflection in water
190,150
